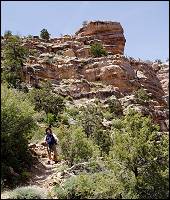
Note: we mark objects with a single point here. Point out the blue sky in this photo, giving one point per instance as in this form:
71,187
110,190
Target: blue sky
145,23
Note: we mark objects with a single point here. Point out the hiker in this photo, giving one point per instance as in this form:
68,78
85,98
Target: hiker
51,141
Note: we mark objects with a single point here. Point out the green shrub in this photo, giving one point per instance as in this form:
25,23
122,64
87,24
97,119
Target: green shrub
7,34
69,98
37,135
115,106
74,144
91,119
94,186
29,192
30,36
17,122
50,118
108,116
97,50
45,34
63,118
141,96
139,157
44,99
14,55
72,112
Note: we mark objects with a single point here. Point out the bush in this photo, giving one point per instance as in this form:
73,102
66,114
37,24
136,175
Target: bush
44,99
94,186
139,157
115,106
108,116
14,56
44,34
29,192
74,144
141,96
97,50
37,135
91,119
7,34
69,98
17,122
50,119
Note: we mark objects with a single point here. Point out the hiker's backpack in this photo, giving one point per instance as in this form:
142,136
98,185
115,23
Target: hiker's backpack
50,140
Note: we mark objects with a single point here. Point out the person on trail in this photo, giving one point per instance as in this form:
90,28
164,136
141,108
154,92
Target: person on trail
51,140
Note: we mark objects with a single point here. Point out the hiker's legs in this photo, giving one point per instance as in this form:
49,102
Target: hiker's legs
55,152
49,153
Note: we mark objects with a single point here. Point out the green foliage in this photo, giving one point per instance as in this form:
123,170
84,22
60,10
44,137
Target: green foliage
97,50
37,135
44,99
14,55
63,118
139,157
158,61
30,36
17,122
108,116
72,112
91,118
69,98
115,106
50,118
29,192
141,96
94,186
44,34
74,144
7,34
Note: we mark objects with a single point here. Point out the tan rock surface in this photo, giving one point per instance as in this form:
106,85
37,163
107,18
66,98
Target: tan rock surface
110,33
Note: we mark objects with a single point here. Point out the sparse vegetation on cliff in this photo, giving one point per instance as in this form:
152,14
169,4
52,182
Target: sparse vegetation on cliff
97,50
44,34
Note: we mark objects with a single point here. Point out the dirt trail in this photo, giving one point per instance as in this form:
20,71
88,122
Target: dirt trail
43,175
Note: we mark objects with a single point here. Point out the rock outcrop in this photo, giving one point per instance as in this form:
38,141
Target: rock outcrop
68,64
109,33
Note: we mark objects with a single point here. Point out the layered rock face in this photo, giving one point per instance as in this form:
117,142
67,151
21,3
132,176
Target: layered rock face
109,33
68,64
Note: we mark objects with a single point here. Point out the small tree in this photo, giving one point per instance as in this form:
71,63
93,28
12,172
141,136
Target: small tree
142,96
158,61
140,157
115,106
97,50
44,34
74,144
14,56
45,100
84,23
17,122
7,34
91,119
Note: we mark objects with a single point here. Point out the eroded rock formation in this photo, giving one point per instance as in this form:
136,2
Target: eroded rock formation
109,33
67,62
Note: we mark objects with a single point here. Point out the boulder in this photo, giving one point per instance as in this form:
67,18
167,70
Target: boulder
83,52
69,52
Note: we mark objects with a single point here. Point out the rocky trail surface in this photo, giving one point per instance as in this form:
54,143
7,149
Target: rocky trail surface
44,175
